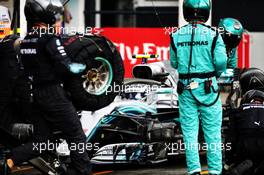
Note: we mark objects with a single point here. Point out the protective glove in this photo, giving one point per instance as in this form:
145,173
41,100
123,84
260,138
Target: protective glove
77,68
236,74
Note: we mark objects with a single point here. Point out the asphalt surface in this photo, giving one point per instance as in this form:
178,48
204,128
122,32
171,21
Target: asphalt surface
166,170
173,167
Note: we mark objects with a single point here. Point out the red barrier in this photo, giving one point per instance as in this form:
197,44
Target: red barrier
244,52
153,41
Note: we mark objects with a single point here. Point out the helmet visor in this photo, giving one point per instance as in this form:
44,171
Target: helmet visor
231,40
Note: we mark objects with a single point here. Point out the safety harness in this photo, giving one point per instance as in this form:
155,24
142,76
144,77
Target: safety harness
190,76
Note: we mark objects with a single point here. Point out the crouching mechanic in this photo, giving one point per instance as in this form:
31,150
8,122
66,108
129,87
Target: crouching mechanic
232,35
198,53
46,63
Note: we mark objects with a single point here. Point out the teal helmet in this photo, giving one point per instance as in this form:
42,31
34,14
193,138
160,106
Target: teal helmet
196,10
233,32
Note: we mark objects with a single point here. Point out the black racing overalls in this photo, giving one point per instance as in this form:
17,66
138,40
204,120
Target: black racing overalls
46,62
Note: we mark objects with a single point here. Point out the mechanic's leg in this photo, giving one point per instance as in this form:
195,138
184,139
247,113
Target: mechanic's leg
211,122
190,126
31,150
63,116
8,116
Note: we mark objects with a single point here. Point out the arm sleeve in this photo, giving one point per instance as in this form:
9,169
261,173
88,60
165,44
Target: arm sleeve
57,52
220,56
173,55
232,60
58,56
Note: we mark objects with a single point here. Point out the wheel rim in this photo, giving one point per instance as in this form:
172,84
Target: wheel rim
97,80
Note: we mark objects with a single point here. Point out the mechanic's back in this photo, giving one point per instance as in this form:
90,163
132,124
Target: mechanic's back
44,58
202,47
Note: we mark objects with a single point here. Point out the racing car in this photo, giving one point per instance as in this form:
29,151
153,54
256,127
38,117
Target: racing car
151,97
138,125
126,129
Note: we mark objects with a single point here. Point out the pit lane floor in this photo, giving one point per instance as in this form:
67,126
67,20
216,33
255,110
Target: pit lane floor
172,167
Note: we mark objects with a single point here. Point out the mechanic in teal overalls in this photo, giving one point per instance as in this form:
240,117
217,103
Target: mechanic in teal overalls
232,35
198,53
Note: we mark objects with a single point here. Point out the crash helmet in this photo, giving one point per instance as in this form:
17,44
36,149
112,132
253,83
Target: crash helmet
233,32
43,11
196,10
252,78
253,96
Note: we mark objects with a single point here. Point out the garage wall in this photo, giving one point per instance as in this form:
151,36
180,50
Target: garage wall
257,49
248,12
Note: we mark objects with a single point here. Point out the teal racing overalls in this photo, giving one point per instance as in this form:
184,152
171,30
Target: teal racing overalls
199,55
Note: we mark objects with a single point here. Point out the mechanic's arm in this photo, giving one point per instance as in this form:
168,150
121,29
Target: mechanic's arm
232,60
220,56
173,55
60,58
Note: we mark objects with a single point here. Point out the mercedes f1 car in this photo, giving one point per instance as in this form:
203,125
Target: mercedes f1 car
138,124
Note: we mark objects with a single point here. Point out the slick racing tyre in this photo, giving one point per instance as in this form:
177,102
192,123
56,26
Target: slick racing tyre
94,88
